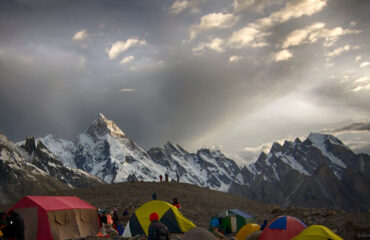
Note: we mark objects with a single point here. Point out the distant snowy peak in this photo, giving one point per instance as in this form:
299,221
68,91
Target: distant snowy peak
102,126
302,157
174,149
320,140
61,148
323,142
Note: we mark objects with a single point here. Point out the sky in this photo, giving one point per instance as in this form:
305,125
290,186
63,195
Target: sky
231,74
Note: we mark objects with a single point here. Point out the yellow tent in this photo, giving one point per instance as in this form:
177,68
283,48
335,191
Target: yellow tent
317,232
245,231
168,215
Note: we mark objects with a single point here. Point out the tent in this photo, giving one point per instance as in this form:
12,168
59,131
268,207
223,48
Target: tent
56,217
242,218
232,220
168,215
317,232
283,228
198,233
254,235
245,231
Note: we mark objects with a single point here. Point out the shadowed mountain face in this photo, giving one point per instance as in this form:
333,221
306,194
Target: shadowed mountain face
318,172
18,176
33,169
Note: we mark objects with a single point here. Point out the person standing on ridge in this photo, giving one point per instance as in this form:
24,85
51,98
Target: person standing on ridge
160,178
157,230
166,177
154,196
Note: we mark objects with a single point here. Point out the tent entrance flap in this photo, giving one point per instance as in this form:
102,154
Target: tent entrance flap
169,220
30,219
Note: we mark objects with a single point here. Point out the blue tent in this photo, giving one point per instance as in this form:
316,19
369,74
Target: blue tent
215,222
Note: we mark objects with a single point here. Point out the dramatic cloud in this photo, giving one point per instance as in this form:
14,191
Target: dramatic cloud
354,127
314,32
119,47
213,21
255,33
362,84
180,5
249,76
215,44
338,51
81,35
294,9
248,37
361,79
362,88
235,59
355,135
253,5
299,36
127,59
282,55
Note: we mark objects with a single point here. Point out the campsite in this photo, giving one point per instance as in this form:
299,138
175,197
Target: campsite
199,205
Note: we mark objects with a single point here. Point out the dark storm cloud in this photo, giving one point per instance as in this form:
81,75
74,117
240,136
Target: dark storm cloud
360,126
51,83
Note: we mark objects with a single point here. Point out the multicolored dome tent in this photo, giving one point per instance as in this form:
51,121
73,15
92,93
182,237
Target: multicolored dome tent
57,217
168,215
317,232
283,228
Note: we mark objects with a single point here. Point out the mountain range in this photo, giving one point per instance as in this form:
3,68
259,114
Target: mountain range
320,171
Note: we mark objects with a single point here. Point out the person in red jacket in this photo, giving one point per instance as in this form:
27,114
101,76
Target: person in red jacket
157,230
176,203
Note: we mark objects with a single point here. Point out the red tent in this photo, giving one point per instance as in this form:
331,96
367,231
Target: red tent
282,228
57,217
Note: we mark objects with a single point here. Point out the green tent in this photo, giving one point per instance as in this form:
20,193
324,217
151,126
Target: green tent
231,221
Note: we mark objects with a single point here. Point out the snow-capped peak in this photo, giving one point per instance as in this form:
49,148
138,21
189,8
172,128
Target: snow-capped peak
170,147
320,140
102,126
